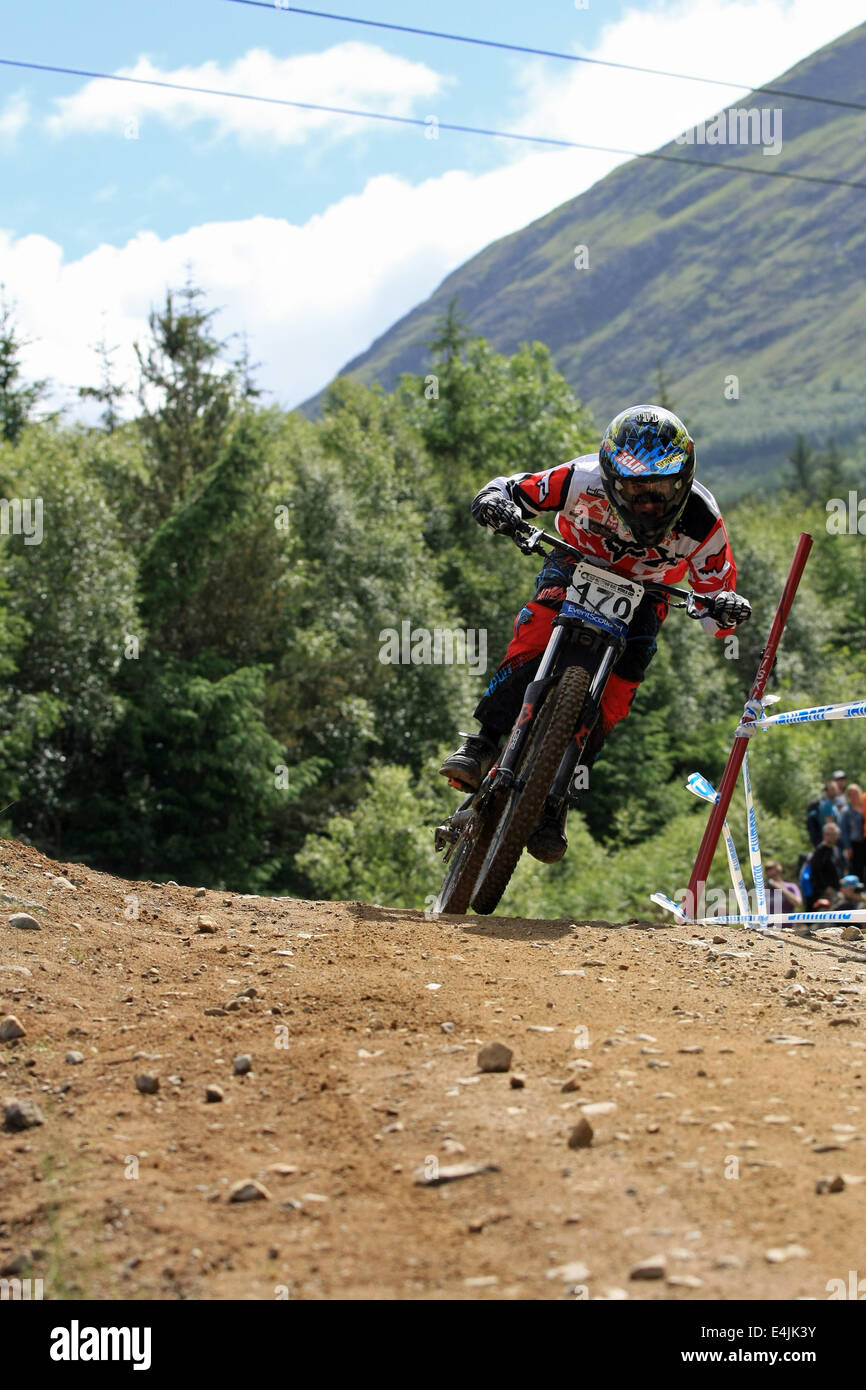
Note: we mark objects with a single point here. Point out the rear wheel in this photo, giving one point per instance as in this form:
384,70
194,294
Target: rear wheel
554,727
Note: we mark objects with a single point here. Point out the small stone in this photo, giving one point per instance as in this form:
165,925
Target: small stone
727,1262
851,933
11,1028
791,973
581,1134
574,1273
283,1170
837,1184
248,1191
695,1047
215,1013
205,925
242,1064
685,1281
21,1114
720,941
494,1056
147,1084
74,1059
653,1268
599,1107
447,1027
24,922
213,1094
572,1084
201,892
517,1082
780,1254
452,1173
64,883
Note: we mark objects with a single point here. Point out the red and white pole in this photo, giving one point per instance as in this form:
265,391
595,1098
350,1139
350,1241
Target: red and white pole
695,898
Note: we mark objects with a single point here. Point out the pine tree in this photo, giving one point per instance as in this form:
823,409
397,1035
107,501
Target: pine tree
186,393
802,466
109,392
17,400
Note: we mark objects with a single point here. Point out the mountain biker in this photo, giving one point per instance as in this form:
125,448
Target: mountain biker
633,508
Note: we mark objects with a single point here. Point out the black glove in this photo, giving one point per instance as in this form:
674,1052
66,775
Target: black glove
726,607
493,510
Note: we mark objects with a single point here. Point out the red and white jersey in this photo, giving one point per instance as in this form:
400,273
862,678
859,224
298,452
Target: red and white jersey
697,547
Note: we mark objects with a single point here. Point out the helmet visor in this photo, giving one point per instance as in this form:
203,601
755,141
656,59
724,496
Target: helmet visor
652,489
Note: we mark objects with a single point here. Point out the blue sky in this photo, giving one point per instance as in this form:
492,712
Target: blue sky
314,233
108,188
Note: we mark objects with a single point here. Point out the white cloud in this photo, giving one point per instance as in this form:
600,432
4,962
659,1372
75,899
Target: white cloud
13,117
312,296
748,41
354,75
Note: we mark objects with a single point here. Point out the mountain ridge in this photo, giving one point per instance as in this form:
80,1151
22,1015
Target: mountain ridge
747,284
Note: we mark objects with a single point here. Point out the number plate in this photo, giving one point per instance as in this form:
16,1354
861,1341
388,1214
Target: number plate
606,600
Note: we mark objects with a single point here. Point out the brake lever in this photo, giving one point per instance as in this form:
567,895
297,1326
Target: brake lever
528,539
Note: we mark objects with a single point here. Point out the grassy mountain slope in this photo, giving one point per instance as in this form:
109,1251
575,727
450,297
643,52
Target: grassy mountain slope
711,274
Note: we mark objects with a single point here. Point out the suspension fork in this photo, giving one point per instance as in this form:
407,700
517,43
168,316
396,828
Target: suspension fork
570,758
508,761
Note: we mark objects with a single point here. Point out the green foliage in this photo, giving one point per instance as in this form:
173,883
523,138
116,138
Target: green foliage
17,398
194,657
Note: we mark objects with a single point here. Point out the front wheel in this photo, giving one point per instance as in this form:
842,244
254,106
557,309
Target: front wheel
554,727
467,858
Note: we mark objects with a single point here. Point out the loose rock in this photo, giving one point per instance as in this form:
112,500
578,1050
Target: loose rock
494,1056
205,925
74,1059
653,1268
242,1063
213,1094
581,1135
11,1028
452,1173
21,1114
249,1191
24,922
147,1084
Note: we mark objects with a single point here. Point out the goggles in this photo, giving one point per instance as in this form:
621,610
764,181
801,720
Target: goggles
648,489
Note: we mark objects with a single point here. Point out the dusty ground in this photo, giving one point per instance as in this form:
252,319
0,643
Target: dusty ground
707,1151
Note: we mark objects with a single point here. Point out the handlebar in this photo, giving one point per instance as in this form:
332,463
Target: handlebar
531,540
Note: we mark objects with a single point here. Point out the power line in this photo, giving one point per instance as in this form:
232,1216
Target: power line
723,165
541,52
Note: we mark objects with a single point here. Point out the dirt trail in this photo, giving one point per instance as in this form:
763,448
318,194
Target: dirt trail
707,1149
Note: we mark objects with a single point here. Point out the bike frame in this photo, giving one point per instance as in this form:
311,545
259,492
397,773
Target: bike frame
574,641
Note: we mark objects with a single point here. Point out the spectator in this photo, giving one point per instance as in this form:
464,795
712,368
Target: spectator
822,809
850,893
781,895
840,779
827,807
826,865
851,825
